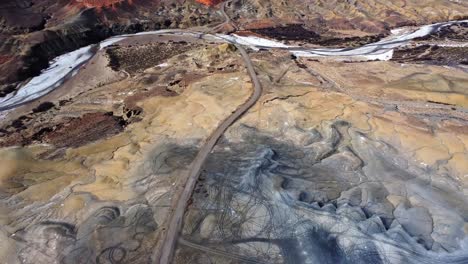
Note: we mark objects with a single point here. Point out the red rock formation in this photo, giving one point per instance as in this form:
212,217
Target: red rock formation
4,59
209,2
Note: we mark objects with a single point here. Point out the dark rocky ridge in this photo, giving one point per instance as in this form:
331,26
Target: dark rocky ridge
296,32
432,54
71,132
456,32
429,51
289,32
18,17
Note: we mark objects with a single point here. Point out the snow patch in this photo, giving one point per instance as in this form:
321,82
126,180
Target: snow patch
251,41
49,79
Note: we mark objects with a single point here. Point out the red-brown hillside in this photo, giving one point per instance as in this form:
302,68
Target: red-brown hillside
209,2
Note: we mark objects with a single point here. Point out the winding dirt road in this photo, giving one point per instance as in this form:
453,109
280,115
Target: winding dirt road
227,19
165,253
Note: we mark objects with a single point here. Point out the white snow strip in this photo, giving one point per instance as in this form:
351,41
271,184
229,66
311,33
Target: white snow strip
155,32
383,56
110,41
252,41
381,50
68,64
49,79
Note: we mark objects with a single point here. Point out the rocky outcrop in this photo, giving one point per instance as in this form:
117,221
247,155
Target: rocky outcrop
433,54
70,132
